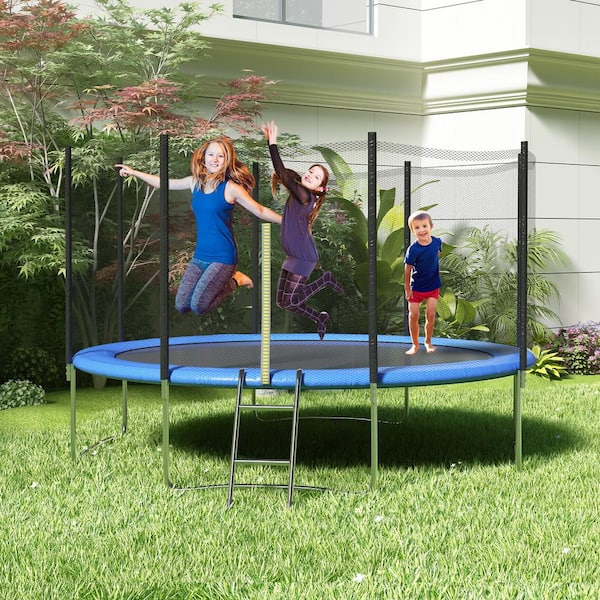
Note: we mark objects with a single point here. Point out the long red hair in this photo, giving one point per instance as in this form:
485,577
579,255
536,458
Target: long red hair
233,169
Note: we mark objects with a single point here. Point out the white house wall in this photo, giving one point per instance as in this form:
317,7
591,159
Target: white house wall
567,200
397,32
463,29
565,26
464,75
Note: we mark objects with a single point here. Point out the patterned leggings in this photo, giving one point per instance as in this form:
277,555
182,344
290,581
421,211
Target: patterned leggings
293,292
204,286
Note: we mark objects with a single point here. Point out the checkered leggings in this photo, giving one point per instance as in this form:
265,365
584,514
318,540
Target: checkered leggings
293,292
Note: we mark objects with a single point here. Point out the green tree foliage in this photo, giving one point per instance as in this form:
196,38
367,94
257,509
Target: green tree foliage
107,86
32,236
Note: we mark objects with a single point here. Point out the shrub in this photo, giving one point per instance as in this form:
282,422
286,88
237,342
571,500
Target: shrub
483,266
548,365
17,392
579,345
32,364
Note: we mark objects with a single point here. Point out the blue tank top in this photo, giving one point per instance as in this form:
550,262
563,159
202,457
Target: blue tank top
214,232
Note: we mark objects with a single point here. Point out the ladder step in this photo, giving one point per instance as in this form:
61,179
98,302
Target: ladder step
267,406
273,462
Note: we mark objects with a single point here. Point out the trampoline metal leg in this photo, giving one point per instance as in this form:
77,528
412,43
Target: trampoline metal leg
374,437
294,436
406,403
236,434
124,406
71,378
518,383
165,433
71,374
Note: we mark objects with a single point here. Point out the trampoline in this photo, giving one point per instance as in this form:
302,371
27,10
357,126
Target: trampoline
297,361
338,362
341,361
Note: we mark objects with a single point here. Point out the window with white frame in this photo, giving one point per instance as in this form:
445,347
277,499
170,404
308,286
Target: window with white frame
343,15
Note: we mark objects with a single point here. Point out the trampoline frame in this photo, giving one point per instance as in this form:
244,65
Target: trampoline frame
109,360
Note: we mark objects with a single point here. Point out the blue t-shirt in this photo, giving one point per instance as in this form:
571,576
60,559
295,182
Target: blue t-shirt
214,232
426,265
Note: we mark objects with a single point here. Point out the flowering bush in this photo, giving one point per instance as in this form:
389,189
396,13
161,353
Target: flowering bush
20,392
579,345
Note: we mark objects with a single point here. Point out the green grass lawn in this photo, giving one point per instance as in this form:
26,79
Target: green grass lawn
451,517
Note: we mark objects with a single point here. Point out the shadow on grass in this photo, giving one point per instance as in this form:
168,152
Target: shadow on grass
429,436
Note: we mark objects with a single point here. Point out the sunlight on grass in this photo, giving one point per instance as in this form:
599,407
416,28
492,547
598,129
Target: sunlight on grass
451,516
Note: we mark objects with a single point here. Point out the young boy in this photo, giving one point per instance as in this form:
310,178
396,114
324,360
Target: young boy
422,278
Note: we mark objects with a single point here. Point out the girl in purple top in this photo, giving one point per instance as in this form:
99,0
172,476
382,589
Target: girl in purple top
218,182
307,194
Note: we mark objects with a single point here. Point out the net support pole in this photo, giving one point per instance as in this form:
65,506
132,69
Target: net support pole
255,250
372,299
265,330
407,211
164,298
522,233
70,370
121,289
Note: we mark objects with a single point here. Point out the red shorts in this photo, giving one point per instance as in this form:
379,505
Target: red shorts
418,297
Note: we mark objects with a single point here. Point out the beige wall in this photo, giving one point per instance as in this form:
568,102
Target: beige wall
567,200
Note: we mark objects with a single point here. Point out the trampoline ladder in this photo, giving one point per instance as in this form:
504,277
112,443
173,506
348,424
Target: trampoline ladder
290,463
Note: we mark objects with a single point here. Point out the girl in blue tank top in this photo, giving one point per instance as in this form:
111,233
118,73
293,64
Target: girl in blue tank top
218,181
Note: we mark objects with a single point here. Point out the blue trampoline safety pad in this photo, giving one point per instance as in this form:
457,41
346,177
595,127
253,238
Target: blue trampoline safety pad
339,361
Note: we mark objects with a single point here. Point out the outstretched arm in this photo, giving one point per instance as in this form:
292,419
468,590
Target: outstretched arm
236,193
154,180
286,177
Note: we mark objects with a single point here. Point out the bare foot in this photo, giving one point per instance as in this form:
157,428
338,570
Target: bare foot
243,280
412,350
429,347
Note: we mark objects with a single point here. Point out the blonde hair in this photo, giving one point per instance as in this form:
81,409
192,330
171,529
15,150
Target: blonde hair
233,169
419,215
319,195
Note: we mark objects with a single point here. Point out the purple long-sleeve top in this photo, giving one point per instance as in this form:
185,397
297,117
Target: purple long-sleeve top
296,238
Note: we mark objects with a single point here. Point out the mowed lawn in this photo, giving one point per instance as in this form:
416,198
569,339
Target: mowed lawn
450,517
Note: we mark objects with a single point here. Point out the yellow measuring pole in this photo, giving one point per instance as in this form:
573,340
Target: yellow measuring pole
265,335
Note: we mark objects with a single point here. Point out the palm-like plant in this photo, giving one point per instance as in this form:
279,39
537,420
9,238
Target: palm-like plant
484,267
548,365
457,317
